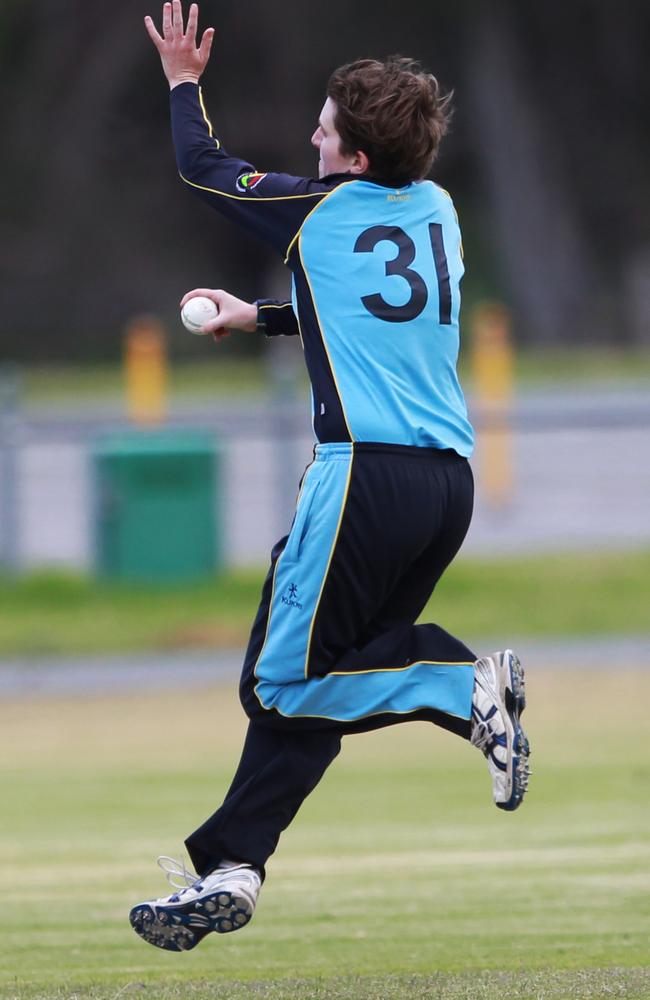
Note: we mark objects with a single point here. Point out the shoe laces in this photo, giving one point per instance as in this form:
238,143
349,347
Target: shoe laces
482,735
177,873
178,870
486,717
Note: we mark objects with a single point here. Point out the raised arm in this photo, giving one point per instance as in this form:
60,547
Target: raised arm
270,205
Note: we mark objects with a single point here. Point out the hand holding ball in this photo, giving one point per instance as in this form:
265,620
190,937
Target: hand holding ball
197,311
221,311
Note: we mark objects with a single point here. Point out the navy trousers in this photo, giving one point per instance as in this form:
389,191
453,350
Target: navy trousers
334,648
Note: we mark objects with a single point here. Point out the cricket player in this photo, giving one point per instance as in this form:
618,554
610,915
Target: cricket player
375,256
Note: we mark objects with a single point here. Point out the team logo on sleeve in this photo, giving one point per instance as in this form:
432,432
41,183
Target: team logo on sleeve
248,181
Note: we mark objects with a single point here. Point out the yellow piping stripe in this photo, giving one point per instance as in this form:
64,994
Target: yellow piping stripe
302,486
302,344
287,197
275,570
445,191
397,670
322,337
285,305
266,633
308,217
329,561
358,718
207,120
251,201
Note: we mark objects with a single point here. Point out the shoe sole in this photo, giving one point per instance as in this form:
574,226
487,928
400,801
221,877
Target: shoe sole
512,685
182,927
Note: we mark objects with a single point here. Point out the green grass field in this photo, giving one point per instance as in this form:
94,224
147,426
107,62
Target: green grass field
564,594
224,375
399,878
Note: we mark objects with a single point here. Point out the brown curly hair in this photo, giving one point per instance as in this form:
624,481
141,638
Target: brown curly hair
394,112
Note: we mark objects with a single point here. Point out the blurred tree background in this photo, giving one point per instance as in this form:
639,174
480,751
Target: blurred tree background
548,160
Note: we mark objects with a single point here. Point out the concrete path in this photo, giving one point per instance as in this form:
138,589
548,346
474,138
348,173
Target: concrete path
96,675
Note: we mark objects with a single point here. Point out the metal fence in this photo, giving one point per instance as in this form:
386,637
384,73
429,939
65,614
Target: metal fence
579,475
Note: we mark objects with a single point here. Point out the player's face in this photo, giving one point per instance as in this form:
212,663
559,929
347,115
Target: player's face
328,143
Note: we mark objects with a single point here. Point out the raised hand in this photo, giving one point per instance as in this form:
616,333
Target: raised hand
182,61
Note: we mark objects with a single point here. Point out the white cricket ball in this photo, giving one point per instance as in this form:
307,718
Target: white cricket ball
197,311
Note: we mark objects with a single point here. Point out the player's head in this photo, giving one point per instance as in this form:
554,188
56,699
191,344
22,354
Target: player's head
385,119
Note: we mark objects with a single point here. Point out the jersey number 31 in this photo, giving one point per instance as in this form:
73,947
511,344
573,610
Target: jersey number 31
400,266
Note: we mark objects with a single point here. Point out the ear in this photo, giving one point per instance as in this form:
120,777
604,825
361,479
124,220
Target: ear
360,163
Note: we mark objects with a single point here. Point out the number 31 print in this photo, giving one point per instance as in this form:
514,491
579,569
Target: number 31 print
400,266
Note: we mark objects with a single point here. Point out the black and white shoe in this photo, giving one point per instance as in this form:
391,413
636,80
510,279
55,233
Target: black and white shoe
498,700
222,901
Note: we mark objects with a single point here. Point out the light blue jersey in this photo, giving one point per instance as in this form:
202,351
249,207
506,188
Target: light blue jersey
383,267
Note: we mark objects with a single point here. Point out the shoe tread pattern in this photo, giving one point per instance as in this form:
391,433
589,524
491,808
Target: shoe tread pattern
516,703
181,928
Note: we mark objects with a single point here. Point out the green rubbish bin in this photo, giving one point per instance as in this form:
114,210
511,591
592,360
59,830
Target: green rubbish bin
156,506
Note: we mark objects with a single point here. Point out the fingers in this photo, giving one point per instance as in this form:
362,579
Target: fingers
151,31
192,22
214,326
206,44
210,293
167,22
177,20
172,23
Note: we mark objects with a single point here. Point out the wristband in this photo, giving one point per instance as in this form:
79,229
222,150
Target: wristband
261,319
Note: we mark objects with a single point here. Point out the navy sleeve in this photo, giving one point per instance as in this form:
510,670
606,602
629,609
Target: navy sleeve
271,206
277,318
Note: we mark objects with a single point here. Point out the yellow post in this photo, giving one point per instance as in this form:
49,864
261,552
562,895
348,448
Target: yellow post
145,370
493,367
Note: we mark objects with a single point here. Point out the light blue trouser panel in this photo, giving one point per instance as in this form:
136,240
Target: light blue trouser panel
301,570
348,697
